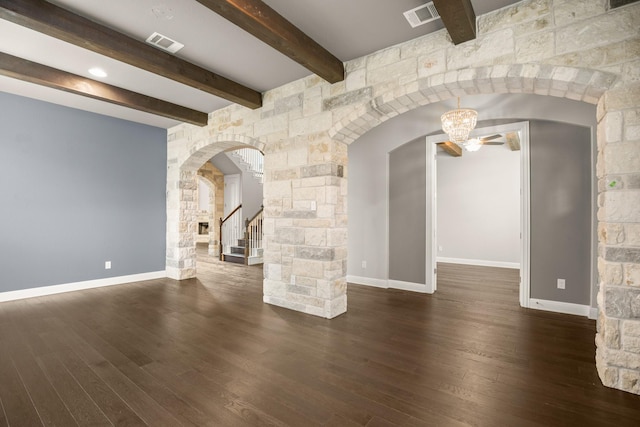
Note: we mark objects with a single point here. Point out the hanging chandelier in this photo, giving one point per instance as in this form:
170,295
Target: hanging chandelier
459,123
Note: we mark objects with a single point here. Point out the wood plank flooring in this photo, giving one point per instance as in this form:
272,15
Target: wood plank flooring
208,352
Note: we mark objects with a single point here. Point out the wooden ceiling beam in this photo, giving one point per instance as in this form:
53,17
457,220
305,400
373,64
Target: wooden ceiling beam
49,19
32,72
451,148
459,18
260,20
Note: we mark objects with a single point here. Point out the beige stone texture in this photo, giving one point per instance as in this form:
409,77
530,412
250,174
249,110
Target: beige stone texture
632,275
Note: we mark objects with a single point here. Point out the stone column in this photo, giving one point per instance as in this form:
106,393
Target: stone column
305,225
181,224
618,337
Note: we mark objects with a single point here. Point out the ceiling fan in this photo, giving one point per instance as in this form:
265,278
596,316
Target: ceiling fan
475,144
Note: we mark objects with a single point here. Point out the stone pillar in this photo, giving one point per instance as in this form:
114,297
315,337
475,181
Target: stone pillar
305,225
618,169
182,207
216,199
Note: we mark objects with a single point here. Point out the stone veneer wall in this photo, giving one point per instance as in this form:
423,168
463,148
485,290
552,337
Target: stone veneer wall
565,48
215,178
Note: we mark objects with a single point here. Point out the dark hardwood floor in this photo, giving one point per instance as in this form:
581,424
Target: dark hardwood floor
208,352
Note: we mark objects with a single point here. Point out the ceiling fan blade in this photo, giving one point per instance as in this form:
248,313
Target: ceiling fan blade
451,148
490,137
491,143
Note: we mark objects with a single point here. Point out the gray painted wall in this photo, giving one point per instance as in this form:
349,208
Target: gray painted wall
78,189
407,210
479,205
560,211
368,165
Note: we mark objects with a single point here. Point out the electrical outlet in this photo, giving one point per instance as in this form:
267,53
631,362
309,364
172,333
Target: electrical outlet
439,248
561,283
364,264
107,265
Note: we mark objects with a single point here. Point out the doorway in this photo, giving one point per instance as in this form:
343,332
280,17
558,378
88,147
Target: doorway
521,130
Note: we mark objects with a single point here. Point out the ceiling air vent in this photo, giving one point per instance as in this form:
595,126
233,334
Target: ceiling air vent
422,14
164,43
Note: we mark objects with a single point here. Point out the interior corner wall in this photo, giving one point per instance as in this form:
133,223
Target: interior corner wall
561,213
478,219
78,189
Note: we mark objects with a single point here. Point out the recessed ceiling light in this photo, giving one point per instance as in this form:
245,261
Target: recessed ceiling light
98,72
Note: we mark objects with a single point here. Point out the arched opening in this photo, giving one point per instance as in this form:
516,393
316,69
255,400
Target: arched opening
182,206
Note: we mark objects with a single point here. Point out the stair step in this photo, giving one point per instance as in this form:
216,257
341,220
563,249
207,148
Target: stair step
236,258
237,250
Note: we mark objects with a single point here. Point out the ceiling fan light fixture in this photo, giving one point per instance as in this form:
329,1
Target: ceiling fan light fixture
474,144
459,123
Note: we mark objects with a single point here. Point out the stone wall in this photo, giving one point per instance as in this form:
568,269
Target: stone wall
564,48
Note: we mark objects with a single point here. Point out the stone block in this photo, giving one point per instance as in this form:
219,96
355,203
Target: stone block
610,273
569,12
631,328
630,381
301,290
337,237
308,125
481,51
513,16
315,237
632,234
289,236
613,126
593,32
535,47
432,63
623,97
622,303
621,206
612,333
631,344
273,272
315,253
611,234
277,189
355,96
297,157
619,254
383,58
632,275
308,268
391,72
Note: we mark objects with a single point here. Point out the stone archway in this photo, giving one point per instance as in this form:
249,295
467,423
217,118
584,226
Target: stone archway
182,172
306,171
617,170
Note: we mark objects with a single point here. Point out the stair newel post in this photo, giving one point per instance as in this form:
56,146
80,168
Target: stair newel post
246,241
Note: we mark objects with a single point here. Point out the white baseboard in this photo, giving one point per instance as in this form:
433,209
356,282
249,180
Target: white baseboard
593,313
387,284
368,281
483,263
408,286
77,286
560,307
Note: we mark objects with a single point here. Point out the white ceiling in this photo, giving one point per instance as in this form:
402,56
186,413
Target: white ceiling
347,28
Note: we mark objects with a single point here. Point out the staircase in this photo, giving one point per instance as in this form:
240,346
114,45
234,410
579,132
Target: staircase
250,160
237,254
247,250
